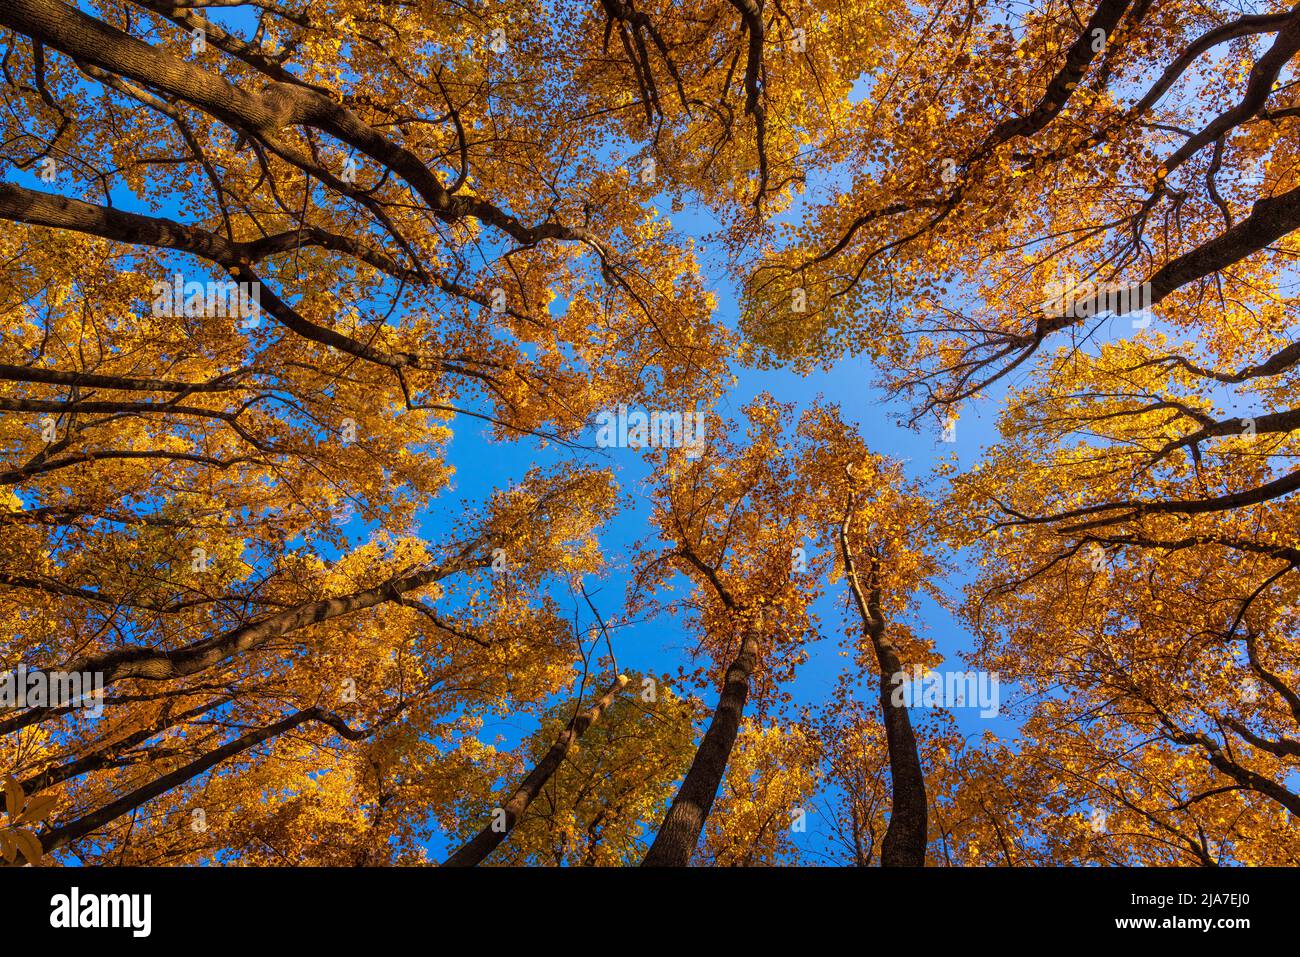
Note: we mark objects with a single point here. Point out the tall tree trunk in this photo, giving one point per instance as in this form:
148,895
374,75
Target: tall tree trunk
56,837
904,842
485,842
681,827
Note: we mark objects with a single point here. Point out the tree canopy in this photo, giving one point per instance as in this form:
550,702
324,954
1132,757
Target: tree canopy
288,290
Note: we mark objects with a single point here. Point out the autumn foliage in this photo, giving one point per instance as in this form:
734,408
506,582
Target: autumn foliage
277,279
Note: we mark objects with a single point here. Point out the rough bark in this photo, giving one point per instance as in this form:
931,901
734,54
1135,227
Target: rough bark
473,851
904,841
150,664
263,115
1270,219
57,837
681,827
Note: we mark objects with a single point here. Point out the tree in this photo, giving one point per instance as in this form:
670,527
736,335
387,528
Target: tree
733,521
1117,150
474,850
263,266
766,800
611,785
493,639
249,296
1132,526
741,523
877,525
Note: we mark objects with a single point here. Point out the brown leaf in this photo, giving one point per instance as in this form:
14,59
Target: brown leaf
38,809
13,797
31,847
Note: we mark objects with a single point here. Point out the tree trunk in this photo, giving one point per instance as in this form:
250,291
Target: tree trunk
55,838
904,841
681,827
485,842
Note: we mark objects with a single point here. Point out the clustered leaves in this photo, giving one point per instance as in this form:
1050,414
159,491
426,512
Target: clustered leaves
442,222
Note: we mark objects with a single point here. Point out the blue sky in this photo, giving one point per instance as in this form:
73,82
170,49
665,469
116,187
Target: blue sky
483,465
658,646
